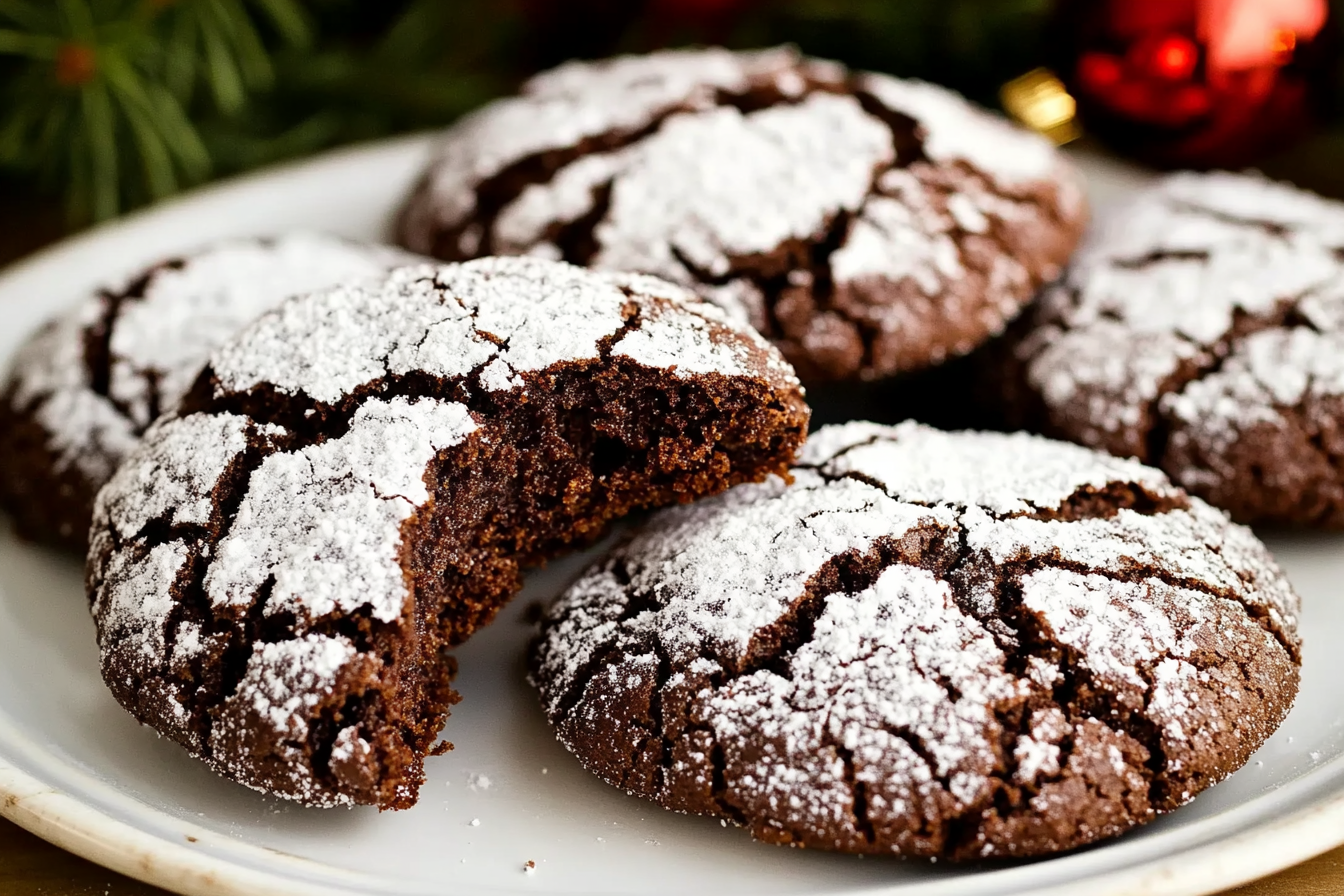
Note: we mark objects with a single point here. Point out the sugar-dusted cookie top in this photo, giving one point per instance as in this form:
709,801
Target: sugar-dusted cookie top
82,391
867,225
355,480
1201,329
960,645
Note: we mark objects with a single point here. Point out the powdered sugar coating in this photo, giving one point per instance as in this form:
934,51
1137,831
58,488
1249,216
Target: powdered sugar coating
186,311
167,326
860,659
1016,473
1209,311
766,174
754,551
96,378
579,101
324,523
137,611
283,684
282,505
1268,370
873,680
88,432
1005,152
181,468
507,316
728,201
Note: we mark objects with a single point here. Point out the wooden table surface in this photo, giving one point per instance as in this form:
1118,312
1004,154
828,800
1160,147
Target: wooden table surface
29,866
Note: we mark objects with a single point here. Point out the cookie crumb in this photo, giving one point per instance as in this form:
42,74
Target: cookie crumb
530,867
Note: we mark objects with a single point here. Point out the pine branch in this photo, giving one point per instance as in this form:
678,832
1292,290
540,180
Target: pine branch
118,102
98,91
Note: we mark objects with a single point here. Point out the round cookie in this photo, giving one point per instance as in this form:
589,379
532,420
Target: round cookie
82,390
953,645
867,225
355,480
1201,330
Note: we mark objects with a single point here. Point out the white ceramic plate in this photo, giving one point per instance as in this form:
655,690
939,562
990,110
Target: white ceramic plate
75,769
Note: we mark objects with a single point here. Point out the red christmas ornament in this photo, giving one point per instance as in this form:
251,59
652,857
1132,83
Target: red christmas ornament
1197,83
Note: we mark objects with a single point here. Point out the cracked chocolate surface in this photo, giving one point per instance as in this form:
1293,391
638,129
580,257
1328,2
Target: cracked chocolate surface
83,390
1201,330
354,482
953,645
867,225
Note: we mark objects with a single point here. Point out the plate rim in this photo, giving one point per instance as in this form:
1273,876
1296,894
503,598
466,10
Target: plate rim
95,835
1261,849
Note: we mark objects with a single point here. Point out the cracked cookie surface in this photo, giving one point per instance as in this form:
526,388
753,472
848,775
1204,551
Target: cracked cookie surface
954,645
867,225
83,390
1201,330
354,481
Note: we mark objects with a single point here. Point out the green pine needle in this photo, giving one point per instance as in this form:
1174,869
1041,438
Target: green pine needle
179,56
34,46
222,73
33,17
179,133
289,20
79,20
100,134
120,133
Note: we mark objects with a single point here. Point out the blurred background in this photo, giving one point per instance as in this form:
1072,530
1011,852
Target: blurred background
107,105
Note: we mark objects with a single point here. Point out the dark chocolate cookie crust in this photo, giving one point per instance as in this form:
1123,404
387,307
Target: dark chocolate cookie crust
959,646
867,225
276,570
49,498
1200,330
81,391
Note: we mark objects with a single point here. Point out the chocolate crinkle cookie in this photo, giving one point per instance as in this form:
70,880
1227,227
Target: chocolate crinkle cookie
354,481
867,225
82,391
1201,329
953,645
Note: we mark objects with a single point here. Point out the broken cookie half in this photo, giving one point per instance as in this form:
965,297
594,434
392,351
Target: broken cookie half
355,481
